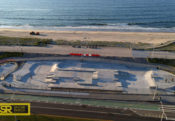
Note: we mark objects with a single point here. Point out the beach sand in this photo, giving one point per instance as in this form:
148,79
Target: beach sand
134,37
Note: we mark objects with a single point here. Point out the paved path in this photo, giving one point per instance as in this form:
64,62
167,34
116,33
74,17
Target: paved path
106,51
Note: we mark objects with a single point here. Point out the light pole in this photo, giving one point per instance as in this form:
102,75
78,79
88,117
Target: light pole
155,92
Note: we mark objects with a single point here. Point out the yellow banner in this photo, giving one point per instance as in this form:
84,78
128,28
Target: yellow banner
14,109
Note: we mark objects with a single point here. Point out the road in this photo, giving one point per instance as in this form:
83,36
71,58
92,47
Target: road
106,51
97,112
84,111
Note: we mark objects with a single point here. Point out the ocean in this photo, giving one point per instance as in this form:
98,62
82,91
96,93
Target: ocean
89,15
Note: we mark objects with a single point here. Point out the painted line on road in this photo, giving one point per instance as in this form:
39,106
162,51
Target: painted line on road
78,110
73,117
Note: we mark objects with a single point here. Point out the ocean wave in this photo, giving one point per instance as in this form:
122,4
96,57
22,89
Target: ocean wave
33,9
94,27
158,24
68,19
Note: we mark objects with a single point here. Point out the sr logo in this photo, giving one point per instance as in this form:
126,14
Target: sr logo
14,109
5,109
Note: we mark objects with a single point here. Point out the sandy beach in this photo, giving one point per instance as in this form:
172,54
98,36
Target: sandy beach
134,37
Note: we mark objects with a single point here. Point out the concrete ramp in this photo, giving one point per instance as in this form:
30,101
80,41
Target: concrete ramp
150,80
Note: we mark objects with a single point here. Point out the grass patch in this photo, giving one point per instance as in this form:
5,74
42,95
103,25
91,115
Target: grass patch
168,47
10,54
8,41
102,44
41,118
24,41
169,62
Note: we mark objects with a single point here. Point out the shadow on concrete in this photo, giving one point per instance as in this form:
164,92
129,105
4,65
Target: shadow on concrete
125,78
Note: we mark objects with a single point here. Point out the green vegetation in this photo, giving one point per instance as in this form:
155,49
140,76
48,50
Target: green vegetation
42,118
10,54
170,62
44,42
101,44
24,41
167,47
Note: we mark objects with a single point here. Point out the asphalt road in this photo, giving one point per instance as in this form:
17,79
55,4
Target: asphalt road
87,112
106,51
91,112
